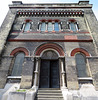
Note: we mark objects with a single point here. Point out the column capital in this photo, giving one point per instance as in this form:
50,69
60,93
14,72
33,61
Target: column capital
46,22
32,58
61,57
37,57
53,22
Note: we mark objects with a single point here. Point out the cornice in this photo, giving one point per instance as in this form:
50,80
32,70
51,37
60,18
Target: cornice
50,12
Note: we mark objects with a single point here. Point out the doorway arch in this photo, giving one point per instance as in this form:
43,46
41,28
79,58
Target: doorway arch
49,68
49,46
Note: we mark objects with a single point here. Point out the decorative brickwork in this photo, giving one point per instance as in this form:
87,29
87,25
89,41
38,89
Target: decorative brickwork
20,49
79,50
49,46
71,37
50,37
50,12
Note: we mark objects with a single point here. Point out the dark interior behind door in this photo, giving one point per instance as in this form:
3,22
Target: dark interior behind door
49,74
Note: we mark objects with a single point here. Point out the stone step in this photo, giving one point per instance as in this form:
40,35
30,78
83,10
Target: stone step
49,91
49,96
50,99
49,88
59,94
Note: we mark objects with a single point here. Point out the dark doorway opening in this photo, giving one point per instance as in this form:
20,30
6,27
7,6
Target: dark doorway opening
49,74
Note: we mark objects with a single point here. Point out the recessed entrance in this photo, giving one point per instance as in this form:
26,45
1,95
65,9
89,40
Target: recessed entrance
49,67
49,74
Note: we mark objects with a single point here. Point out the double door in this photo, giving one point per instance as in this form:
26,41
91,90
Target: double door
49,74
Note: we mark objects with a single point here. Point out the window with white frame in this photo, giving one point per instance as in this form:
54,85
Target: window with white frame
81,66
73,26
17,67
56,26
27,26
43,26
49,26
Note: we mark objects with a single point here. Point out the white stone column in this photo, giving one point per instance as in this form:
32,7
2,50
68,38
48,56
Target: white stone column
39,26
46,26
53,26
63,74
35,85
59,26
23,27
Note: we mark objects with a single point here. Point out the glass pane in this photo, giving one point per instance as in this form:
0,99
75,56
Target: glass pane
73,26
80,61
56,26
82,74
81,65
27,26
17,68
50,26
43,26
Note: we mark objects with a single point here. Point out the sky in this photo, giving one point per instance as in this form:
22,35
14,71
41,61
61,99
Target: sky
4,5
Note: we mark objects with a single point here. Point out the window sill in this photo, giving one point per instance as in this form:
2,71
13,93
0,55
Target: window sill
14,77
85,78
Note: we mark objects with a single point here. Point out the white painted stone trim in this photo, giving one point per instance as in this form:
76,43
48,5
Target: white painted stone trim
13,77
85,78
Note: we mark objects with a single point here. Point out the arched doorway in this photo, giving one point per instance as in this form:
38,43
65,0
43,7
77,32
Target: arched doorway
49,70
49,67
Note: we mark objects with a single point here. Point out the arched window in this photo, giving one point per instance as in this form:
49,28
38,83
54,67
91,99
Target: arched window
50,26
27,26
17,67
43,26
56,26
81,65
73,26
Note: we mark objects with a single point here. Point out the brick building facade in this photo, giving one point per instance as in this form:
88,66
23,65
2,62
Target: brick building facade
49,47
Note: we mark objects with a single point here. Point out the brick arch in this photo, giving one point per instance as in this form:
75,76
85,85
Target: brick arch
72,20
50,20
49,46
20,49
56,20
73,52
28,20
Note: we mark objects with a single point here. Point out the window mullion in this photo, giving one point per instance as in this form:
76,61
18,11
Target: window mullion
46,26
68,25
53,26
31,26
59,26
24,24
76,27
40,26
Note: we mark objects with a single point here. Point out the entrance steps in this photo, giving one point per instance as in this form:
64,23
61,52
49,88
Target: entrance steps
49,94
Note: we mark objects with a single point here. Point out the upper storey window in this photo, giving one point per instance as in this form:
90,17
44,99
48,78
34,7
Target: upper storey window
56,26
43,26
49,26
73,25
27,26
